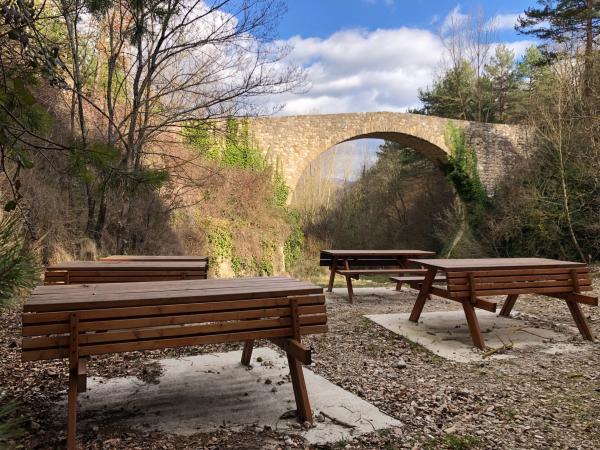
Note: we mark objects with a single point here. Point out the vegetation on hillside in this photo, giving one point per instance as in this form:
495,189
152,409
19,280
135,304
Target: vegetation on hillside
550,206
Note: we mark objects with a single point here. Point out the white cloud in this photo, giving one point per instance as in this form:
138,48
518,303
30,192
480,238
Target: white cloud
503,21
355,70
454,20
359,71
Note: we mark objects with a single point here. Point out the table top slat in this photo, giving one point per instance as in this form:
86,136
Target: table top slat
495,263
128,265
376,253
163,292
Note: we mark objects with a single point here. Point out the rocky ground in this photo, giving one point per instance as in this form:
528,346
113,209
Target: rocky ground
531,401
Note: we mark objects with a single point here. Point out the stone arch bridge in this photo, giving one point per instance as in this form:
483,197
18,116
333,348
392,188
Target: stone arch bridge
295,141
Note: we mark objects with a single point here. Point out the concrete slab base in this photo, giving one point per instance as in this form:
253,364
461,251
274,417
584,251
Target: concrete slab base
202,393
446,334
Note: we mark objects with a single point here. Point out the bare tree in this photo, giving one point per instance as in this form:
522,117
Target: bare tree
164,64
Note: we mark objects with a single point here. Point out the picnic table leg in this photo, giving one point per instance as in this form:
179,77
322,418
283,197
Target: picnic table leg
73,382
580,321
349,281
423,295
332,268
247,352
300,393
473,323
402,263
508,305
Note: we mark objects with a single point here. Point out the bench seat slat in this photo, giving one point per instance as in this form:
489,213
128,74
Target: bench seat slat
169,331
531,290
157,344
582,277
382,271
150,311
182,319
511,272
481,287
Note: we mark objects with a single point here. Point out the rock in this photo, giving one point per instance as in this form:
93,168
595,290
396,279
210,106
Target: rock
400,364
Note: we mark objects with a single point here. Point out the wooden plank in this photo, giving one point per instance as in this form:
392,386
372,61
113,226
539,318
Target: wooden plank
463,273
170,331
480,303
503,278
482,287
508,305
376,253
165,285
161,286
473,323
161,310
483,264
380,271
295,348
154,258
73,351
423,295
578,298
580,321
128,265
300,393
159,329
157,344
533,290
247,353
110,300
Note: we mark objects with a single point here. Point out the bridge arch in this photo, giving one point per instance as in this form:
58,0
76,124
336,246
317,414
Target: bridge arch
295,141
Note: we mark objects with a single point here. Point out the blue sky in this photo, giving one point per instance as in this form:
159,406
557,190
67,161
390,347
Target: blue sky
321,18
375,55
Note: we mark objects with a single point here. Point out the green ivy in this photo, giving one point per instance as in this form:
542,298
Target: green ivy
220,242
292,247
265,265
281,191
462,171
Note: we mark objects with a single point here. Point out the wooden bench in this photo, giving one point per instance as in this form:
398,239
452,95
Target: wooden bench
156,258
415,282
351,264
79,321
468,280
123,271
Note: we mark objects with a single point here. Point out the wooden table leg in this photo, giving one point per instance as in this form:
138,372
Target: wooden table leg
508,305
580,321
73,382
474,328
247,352
300,393
423,295
332,268
350,290
402,263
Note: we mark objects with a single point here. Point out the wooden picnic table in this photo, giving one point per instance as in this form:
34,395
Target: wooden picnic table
353,263
80,321
114,271
154,258
468,280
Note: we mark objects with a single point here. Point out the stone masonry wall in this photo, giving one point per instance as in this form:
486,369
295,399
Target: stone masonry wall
295,141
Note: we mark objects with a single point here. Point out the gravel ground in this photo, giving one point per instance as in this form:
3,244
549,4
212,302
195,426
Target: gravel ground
531,401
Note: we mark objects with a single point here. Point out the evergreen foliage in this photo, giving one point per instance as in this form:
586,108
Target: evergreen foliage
19,268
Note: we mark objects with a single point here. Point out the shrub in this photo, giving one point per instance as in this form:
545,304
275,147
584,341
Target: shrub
19,268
